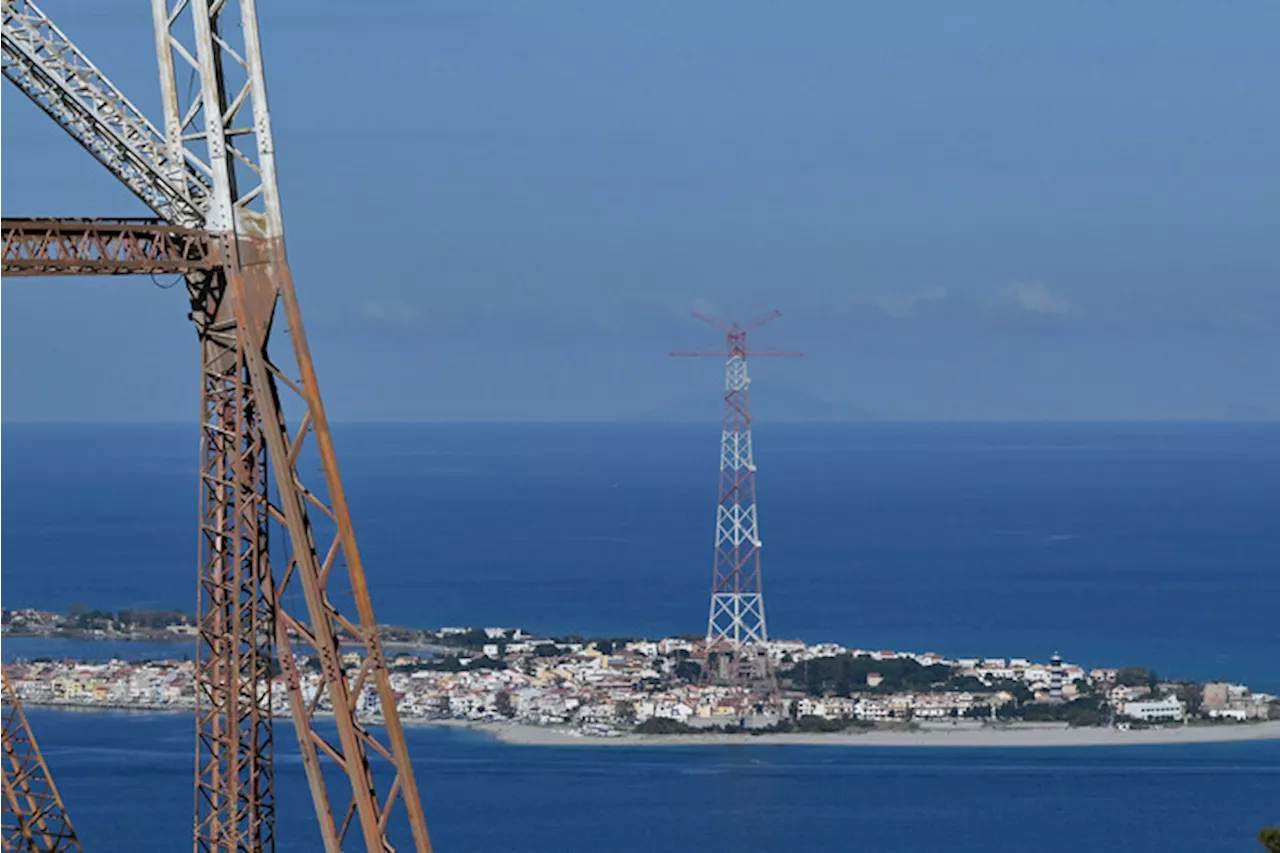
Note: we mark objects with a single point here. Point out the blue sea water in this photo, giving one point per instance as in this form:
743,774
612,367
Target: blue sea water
484,796
1116,544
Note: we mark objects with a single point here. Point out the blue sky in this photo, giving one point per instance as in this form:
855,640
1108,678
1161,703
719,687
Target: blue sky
504,211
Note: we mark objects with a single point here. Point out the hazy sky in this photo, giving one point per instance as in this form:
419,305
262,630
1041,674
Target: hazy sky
505,210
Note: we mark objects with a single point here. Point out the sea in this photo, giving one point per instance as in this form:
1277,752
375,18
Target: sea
1136,544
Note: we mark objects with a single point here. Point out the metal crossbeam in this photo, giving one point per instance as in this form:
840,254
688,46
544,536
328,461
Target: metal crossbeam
105,247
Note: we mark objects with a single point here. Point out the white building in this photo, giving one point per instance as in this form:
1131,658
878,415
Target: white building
1167,710
1239,714
830,708
871,709
671,645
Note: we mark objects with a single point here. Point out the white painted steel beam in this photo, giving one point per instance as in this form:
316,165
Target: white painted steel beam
45,64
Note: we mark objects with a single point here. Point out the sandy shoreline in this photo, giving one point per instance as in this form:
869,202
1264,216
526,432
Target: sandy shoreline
1033,735
1011,736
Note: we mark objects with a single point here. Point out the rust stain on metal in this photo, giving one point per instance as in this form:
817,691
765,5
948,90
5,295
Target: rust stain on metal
34,815
105,247
234,284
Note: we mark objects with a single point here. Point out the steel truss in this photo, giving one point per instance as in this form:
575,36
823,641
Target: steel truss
110,246
34,816
211,177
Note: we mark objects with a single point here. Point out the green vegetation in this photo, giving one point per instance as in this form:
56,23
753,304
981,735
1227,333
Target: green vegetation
398,634
154,619
967,684
1137,676
822,724
813,725
843,674
688,671
1269,838
1191,695
1021,692
472,639
1085,711
127,619
449,663
816,725
663,726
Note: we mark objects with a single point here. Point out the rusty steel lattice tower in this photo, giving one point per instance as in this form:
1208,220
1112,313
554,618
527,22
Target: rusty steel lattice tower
273,544
736,629
34,816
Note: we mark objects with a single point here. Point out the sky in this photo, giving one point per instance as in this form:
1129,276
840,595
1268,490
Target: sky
507,210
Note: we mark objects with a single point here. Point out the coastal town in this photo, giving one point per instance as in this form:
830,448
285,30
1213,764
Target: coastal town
608,687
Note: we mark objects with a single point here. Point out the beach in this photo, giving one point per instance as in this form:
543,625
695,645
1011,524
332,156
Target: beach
1013,735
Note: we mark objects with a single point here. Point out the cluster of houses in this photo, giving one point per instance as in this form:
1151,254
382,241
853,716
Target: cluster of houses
99,625
116,684
601,688
29,619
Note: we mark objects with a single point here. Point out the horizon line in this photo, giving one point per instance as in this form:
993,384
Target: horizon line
639,421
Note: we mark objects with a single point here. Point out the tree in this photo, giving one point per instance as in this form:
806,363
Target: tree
810,723
1270,839
688,671
1021,692
842,674
1192,695
662,726
502,704
1136,676
625,710
1085,711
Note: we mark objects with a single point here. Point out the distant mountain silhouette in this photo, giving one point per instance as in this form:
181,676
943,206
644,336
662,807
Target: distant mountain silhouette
779,403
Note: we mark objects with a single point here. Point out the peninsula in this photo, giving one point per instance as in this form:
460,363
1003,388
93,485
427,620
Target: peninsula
559,690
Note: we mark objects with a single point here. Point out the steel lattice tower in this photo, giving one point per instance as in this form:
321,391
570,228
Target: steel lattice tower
210,177
34,816
736,628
